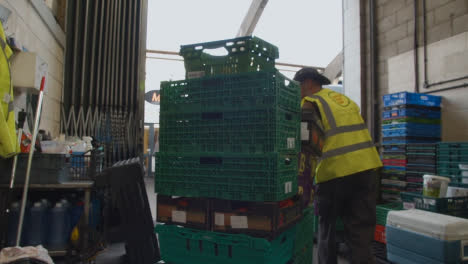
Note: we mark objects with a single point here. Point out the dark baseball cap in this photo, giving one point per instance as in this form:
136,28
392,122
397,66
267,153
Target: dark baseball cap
312,74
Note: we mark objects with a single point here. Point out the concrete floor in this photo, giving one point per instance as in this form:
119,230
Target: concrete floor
114,253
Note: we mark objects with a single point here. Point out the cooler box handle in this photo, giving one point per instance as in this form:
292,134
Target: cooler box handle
464,250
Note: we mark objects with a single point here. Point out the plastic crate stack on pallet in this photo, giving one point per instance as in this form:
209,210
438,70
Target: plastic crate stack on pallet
380,245
229,145
452,161
408,118
382,213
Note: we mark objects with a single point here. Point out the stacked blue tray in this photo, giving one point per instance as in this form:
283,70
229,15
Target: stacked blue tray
407,118
411,118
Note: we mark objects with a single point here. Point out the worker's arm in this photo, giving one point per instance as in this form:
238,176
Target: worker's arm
310,111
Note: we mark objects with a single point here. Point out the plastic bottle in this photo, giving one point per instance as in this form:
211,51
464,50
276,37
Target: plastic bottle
46,203
37,229
58,232
13,219
67,205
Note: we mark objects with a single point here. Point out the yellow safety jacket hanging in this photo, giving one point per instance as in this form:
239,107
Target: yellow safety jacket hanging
348,147
8,142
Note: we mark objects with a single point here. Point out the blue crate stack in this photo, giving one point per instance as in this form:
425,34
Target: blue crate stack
411,124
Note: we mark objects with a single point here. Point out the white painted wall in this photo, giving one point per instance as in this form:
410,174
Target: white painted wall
447,59
352,50
32,34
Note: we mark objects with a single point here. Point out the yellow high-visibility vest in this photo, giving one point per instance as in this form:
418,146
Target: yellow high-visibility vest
8,142
348,147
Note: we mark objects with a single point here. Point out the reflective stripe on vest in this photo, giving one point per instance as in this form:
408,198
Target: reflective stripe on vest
334,130
345,129
347,149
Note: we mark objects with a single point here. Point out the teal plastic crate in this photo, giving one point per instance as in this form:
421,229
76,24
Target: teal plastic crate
453,145
305,231
260,177
180,245
383,209
447,157
444,171
305,256
244,131
456,206
452,165
245,54
254,90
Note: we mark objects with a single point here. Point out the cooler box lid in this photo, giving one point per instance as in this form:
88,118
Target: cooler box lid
443,227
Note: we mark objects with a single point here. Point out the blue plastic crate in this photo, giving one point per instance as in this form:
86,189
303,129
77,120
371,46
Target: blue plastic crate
404,132
394,148
407,140
411,99
414,126
394,168
407,111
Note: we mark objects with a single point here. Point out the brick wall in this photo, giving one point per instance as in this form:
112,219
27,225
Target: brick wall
447,36
32,34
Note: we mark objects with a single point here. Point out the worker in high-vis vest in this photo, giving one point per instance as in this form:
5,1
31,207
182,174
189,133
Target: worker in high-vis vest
347,171
8,143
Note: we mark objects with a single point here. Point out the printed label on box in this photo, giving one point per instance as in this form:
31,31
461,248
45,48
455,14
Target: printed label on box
304,131
219,219
429,201
239,222
291,143
195,74
179,217
408,206
287,187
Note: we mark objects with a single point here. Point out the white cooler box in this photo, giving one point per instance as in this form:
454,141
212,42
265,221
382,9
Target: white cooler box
416,236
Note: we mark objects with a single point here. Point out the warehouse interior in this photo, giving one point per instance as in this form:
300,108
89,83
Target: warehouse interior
190,132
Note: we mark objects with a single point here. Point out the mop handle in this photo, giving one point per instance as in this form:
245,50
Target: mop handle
28,168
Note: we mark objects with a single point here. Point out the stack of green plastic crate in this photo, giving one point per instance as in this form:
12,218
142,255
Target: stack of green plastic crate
452,161
229,131
233,131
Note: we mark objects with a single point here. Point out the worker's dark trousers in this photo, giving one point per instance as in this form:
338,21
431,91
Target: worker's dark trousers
353,199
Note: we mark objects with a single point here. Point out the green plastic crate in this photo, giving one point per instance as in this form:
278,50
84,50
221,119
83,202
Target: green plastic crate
245,54
444,171
456,206
305,231
446,157
260,177
397,157
383,209
305,256
247,131
453,145
455,165
182,246
254,90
